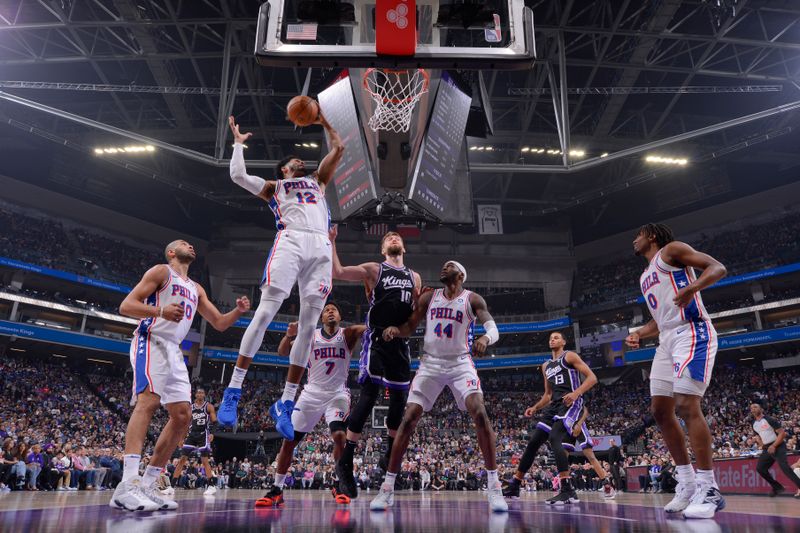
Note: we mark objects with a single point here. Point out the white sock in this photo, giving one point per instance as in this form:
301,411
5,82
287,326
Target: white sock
492,478
279,478
130,467
706,477
684,474
151,474
289,392
237,378
389,480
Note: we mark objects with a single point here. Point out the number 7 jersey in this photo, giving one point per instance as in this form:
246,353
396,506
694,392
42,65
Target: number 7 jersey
329,362
299,204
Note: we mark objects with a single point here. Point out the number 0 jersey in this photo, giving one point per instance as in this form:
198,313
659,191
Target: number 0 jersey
660,283
449,326
299,204
329,362
176,290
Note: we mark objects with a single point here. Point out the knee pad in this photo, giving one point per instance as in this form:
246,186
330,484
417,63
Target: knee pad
339,425
366,401
397,404
306,324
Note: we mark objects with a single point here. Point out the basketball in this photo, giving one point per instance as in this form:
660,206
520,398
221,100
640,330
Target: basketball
302,110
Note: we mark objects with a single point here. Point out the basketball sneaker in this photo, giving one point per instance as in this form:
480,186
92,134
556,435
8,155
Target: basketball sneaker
347,482
497,504
273,498
169,491
706,501
608,490
340,498
227,410
565,496
281,413
164,504
128,496
512,489
384,499
683,497
210,490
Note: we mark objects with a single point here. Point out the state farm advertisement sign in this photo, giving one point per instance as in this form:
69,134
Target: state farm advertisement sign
734,476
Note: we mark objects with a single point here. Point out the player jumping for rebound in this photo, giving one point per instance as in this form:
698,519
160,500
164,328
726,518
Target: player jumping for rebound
392,288
198,441
450,314
326,393
561,407
581,439
683,362
301,253
166,301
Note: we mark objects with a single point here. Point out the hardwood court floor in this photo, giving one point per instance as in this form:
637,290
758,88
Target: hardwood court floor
232,510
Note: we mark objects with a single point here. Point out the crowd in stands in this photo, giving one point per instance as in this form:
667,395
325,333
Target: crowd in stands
67,432
752,248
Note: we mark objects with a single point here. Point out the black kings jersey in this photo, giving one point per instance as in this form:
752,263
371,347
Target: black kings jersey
392,298
200,419
562,376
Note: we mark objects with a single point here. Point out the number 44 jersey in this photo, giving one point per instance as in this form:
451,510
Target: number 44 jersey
449,326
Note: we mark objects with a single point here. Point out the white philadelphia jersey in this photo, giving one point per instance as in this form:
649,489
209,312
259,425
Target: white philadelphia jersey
660,283
449,326
329,363
177,290
299,204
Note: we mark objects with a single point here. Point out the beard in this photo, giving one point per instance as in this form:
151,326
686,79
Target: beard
394,250
298,172
448,279
183,257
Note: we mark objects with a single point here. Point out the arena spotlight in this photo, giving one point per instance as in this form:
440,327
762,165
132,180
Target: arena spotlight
130,149
577,153
680,161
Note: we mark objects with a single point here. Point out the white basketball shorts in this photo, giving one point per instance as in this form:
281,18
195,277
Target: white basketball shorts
158,367
302,257
313,405
434,374
684,359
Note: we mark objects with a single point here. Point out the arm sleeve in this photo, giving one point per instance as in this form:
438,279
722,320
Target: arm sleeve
239,175
773,422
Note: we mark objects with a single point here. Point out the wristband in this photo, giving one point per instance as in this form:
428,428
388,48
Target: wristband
161,312
491,331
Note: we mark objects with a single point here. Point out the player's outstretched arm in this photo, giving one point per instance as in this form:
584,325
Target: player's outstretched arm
407,329
329,163
681,254
285,346
367,272
589,379
133,305
252,184
481,312
217,320
352,334
544,401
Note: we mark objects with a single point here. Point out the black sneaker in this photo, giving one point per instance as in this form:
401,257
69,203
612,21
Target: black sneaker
347,482
564,497
775,491
273,498
512,489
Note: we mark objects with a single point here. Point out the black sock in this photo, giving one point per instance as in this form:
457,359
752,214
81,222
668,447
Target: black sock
566,484
514,480
390,442
348,452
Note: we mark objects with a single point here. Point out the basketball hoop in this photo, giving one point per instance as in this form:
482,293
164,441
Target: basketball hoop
396,93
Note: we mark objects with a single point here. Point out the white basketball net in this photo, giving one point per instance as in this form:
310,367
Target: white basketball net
396,93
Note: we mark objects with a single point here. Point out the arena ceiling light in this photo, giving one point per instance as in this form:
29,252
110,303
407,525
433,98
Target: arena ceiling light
306,145
130,149
577,153
680,161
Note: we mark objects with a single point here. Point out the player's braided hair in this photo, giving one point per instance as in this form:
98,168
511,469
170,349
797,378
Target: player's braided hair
660,232
282,163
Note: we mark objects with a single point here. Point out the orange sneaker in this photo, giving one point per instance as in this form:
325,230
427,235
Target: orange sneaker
273,498
340,498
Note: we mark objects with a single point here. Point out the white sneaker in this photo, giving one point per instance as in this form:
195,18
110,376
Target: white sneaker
164,504
169,491
210,491
129,496
706,501
497,503
383,500
683,497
